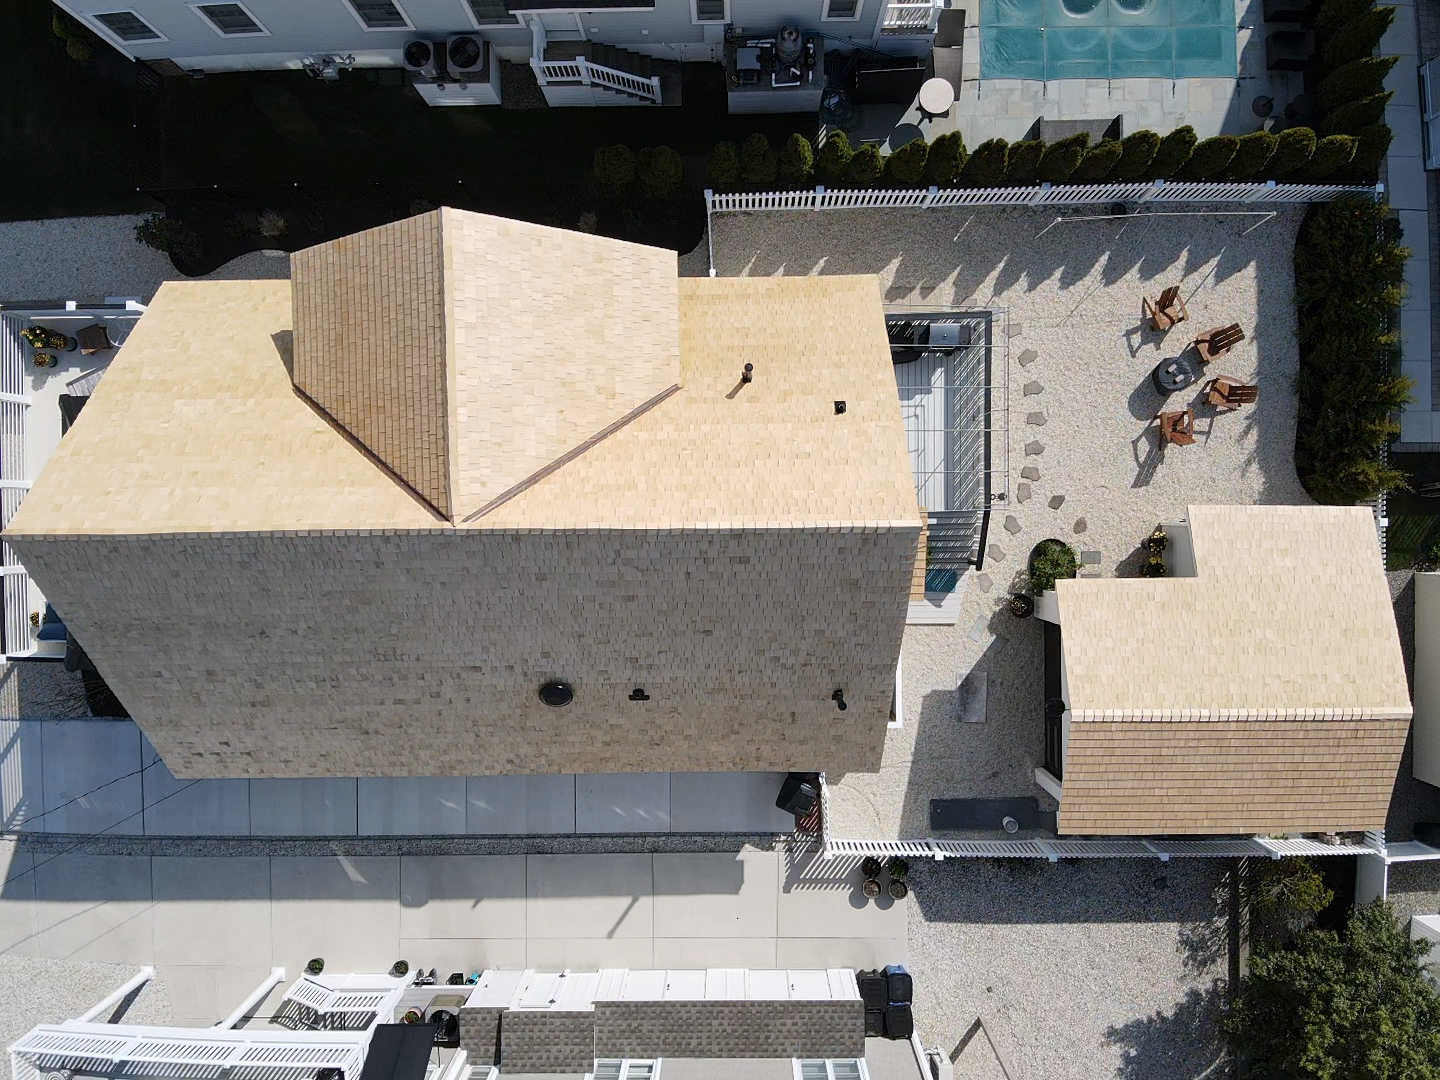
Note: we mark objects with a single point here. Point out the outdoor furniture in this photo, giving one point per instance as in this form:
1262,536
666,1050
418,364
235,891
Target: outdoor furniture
1289,50
936,97
1177,427
93,339
1176,373
1217,342
1166,311
1225,392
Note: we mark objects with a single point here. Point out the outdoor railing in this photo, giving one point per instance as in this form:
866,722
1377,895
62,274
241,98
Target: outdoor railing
1055,849
13,481
582,72
909,17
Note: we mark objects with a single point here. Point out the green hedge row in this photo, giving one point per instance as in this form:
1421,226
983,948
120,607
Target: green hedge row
1351,95
1349,270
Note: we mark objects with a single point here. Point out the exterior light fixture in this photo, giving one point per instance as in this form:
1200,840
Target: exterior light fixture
557,694
748,375
638,694
839,698
839,408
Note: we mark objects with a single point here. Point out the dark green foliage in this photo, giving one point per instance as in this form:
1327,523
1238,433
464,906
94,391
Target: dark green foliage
757,162
1332,154
1349,272
833,159
1022,163
1284,896
723,168
660,171
1172,153
1137,151
906,166
796,166
1210,159
1353,81
946,159
1355,116
1252,154
174,238
1062,157
1364,167
614,168
1099,162
1334,14
1049,560
1332,1007
79,41
865,166
1293,149
986,166
1358,38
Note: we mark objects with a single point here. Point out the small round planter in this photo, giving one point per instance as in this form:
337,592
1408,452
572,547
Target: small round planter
44,360
412,1016
399,969
898,889
315,967
871,887
870,866
1022,606
1154,567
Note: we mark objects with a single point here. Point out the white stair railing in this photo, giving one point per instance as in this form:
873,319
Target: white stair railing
587,73
910,17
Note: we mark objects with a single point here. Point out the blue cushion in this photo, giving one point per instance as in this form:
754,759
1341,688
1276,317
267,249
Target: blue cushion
53,631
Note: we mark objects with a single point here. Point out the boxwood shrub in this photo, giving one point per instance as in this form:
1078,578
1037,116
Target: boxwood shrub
906,166
831,161
1022,163
865,166
723,169
796,165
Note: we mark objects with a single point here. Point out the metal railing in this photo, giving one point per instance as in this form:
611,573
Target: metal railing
910,17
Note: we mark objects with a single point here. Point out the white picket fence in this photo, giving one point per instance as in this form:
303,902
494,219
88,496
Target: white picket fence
1144,191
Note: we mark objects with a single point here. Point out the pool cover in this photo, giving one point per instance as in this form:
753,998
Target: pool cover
1107,39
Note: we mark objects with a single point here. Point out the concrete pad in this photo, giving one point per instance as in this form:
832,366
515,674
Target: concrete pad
742,802
585,896
462,896
463,954
95,907
841,911
18,926
191,807
21,786
555,953
212,911
520,805
724,894
202,995
411,805
84,772
309,807
343,908
706,952
839,952
1416,425
622,803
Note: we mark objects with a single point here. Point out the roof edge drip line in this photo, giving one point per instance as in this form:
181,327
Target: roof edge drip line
1167,715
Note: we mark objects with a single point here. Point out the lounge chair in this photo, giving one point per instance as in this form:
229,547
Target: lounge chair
1217,342
1177,427
1167,311
1225,392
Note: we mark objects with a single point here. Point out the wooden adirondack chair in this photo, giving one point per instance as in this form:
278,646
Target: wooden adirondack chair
1177,427
1219,341
1225,392
1167,311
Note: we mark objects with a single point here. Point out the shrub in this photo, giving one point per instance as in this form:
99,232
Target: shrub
78,49
1364,167
660,172
1022,163
1284,896
723,169
1355,116
1098,163
986,166
614,168
1252,153
1353,81
79,41
1356,39
271,225
865,166
1349,271
1062,157
945,160
796,165
1137,151
1334,14
906,167
833,159
1332,154
757,162
1293,149
1210,158
174,238
1172,153
1050,560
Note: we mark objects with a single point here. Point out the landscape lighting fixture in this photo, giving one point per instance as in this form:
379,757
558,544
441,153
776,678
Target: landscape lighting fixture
748,375
557,694
839,698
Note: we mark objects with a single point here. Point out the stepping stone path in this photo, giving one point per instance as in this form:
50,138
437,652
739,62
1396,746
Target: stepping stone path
1032,388
1057,501
1030,472
995,553
1022,492
1028,357
1012,526
1034,449
1081,525
983,580
1036,418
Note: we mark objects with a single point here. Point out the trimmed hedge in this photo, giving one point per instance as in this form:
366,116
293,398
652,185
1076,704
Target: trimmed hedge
1099,162
1356,40
1334,14
834,157
796,165
1355,116
906,166
986,166
1374,144
1172,153
1062,158
1210,158
1332,153
758,166
1293,149
614,167
1353,81
660,171
1252,154
865,166
946,159
1137,151
1349,274
1022,163
723,169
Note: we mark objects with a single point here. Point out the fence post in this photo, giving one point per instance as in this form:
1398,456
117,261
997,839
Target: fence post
1379,190
930,196
1154,190
819,191
584,67
1256,193
1039,193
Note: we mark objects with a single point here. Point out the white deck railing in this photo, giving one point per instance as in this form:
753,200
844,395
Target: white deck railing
582,72
13,407
909,17
1055,849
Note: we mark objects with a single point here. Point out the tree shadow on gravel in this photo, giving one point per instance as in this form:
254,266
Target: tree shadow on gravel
1183,1044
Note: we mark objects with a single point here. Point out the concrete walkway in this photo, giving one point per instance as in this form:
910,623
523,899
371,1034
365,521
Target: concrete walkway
214,926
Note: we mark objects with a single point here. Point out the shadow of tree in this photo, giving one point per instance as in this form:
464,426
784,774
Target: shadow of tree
1183,1044
1205,943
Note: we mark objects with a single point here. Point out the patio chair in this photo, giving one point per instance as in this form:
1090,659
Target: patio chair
93,339
1217,342
1225,392
1177,427
1167,311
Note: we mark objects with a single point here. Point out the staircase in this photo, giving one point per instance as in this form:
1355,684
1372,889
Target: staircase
953,539
588,73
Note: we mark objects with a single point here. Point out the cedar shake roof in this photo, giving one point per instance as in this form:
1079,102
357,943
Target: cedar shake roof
466,352
1267,693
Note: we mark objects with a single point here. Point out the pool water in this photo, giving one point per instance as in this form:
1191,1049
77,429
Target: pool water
1107,39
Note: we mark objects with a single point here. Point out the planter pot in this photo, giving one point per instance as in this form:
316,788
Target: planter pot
1022,606
412,1016
399,969
315,967
898,889
870,866
44,360
871,888
1154,567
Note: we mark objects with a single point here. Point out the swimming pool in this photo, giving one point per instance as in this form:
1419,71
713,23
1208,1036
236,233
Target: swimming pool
1107,39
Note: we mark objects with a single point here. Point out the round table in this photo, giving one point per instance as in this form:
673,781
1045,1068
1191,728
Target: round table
1176,373
936,97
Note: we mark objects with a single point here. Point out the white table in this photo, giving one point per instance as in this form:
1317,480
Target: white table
936,97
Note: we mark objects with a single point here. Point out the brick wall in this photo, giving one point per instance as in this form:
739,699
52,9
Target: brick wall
730,1029
547,1042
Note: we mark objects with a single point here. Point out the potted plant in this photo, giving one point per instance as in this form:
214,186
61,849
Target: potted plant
42,337
399,969
1154,566
898,889
35,619
1157,541
898,868
871,887
44,360
1050,560
412,1016
1022,606
315,967
870,866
